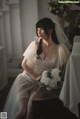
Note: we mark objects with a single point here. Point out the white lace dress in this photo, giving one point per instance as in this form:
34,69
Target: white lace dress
23,85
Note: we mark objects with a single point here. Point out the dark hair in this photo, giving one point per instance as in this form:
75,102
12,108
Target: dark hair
47,24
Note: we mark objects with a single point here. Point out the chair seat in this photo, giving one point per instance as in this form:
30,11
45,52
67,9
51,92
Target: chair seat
46,107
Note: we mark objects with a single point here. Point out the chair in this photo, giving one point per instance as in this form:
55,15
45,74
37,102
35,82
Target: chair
47,108
50,108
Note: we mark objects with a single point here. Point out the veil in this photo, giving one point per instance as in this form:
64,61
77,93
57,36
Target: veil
61,36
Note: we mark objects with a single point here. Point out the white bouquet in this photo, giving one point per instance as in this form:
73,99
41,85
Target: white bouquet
50,78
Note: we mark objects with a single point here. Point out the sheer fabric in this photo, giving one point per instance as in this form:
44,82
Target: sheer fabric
23,85
61,36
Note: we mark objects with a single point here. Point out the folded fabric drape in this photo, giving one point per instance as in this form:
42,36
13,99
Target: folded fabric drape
70,92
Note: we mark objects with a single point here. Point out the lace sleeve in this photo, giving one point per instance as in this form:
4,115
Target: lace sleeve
63,55
30,50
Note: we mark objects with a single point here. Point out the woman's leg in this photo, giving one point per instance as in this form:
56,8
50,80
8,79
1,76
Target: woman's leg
21,114
34,95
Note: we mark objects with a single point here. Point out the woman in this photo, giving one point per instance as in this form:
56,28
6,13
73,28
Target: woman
45,53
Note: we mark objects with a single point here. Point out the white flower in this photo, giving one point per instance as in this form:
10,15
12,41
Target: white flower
53,79
45,79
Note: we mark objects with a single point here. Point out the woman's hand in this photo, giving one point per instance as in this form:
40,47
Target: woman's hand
29,71
38,78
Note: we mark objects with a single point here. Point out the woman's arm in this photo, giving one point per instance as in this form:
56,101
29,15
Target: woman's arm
29,71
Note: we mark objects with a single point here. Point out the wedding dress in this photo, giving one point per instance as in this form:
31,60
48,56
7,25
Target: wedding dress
23,85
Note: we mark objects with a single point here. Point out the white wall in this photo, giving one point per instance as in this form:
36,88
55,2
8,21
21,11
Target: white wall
18,24
43,9
29,16
15,31
7,34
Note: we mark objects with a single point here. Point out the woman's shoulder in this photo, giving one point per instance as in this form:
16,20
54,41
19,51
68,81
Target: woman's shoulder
63,49
35,42
31,48
62,46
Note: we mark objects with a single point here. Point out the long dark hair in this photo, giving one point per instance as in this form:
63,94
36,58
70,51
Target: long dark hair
47,24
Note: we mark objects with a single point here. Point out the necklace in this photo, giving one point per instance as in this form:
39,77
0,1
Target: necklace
46,49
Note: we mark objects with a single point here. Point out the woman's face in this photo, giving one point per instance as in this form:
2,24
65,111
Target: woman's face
41,33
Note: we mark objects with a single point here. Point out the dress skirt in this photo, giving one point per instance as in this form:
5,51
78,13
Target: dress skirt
21,88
